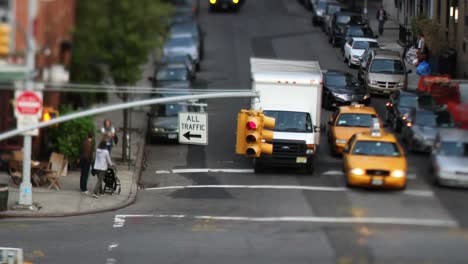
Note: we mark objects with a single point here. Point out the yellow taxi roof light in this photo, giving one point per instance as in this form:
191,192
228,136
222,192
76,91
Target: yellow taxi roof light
357,105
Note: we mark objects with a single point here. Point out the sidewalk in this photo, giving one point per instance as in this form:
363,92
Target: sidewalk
69,201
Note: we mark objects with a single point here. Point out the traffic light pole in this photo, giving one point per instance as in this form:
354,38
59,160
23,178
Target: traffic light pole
25,196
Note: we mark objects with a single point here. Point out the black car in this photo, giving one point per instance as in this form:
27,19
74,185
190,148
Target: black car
172,74
338,25
421,129
226,5
342,88
180,59
401,103
319,10
332,8
359,31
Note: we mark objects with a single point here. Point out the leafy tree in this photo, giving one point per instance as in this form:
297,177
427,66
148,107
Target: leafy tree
116,35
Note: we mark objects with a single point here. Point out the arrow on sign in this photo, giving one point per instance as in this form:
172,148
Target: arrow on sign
188,135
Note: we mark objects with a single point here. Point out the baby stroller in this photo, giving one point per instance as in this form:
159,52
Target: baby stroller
111,181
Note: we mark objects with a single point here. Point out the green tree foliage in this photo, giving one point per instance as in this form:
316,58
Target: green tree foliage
118,34
68,136
432,32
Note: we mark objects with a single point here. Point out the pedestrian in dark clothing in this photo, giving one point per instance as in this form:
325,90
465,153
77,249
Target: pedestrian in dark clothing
381,17
108,134
102,162
86,157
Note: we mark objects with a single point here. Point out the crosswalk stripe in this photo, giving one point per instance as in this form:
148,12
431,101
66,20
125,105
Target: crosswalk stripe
204,170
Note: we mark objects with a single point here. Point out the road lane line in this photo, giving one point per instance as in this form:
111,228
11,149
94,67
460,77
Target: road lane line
203,170
316,219
333,172
420,193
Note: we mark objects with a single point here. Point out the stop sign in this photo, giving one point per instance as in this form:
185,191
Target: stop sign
28,103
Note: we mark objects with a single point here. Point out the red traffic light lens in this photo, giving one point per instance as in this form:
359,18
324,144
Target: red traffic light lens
251,125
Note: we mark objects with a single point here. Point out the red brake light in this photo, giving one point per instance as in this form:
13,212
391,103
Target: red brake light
251,125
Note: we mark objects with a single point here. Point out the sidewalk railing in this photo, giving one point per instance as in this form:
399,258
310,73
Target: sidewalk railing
405,36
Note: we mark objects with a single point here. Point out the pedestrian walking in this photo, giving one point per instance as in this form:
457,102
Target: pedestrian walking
86,157
108,134
102,162
382,18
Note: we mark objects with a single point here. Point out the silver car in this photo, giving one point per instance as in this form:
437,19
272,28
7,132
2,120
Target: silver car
450,157
185,44
421,128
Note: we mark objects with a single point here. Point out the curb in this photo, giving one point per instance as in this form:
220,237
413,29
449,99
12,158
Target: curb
131,197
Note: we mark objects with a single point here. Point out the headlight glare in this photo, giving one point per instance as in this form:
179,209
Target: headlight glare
398,173
357,171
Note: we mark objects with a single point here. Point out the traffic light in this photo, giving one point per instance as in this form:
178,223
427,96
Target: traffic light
49,113
4,39
251,135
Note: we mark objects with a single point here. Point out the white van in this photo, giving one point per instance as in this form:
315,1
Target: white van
291,92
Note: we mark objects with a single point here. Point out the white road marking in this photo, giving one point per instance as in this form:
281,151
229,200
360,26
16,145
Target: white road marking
112,246
421,193
315,219
333,172
204,170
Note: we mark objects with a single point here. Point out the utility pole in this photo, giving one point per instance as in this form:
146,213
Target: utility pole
365,9
25,197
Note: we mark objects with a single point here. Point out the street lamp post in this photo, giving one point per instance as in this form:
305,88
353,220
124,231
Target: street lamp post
25,197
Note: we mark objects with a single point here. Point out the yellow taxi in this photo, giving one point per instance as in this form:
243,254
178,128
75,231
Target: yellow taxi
375,159
347,121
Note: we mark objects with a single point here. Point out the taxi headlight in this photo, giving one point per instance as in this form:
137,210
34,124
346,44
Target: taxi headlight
357,171
340,141
398,173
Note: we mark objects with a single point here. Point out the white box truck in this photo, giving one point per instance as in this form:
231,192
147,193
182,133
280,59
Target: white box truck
291,92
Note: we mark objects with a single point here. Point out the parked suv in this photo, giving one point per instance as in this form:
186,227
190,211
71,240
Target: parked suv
339,22
385,72
320,9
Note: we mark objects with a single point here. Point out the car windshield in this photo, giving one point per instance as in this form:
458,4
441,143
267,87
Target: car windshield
347,19
365,45
171,109
355,120
332,9
288,121
176,74
376,148
456,149
180,41
387,66
425,119
340,80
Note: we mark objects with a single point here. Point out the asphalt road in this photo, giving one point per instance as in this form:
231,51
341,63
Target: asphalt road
281,216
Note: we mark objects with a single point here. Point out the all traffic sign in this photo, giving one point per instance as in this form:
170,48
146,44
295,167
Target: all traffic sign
29,103
193,128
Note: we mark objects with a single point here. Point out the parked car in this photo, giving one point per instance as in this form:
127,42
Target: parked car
421,128
163,121
172,74
450,157
366,57
385,72
332,8
319,10
361,31
182,18
355,47
339,22
342,88
233,5
186,6
401,103
184,44
180,59
190,28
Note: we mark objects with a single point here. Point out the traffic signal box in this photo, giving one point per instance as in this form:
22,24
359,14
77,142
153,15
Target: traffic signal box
251,135
5,30
49,113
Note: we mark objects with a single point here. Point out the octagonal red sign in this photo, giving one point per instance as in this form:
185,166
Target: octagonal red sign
28,103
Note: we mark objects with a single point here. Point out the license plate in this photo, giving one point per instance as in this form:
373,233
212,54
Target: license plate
377,181
171,136
301,160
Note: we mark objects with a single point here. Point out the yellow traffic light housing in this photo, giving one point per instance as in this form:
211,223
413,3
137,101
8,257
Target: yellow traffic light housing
251,137
49,113
5,30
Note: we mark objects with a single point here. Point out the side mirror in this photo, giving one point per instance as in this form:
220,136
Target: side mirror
316,129
151,79
409,71
376,36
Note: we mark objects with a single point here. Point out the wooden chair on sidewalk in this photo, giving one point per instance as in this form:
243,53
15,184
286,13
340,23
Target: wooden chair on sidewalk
57,167
15,167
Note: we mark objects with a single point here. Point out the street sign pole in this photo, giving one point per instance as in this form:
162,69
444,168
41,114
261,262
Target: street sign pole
25,197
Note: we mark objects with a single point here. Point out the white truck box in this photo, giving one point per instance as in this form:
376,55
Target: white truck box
290,91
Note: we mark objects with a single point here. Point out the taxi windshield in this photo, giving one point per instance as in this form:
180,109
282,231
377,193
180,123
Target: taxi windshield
455,149
355,120
376,148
